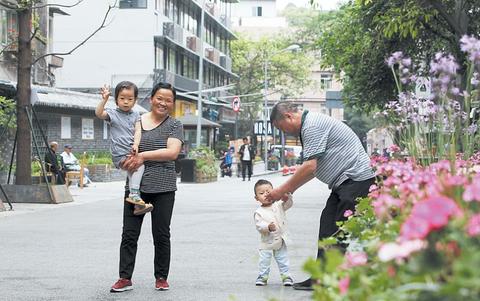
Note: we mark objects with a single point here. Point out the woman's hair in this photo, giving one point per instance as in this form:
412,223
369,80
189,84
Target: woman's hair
162,85
281,108
125,85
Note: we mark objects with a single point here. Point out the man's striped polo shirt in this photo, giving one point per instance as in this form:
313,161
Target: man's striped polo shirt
337,149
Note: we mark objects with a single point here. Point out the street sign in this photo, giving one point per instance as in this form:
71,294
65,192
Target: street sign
423,88
258,128
236,104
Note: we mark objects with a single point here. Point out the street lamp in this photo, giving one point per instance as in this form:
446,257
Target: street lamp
291,48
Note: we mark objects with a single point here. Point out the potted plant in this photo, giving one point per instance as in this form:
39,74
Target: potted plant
272,163
205,168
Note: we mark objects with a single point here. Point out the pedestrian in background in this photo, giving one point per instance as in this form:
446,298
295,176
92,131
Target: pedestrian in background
161,142
247,155
333,154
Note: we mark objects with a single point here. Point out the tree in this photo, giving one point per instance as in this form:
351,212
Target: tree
365,32
288,74
25,11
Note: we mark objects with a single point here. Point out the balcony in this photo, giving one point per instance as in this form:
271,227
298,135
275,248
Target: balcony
178,81
173,31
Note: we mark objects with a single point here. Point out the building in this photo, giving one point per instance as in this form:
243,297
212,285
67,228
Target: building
43,72
147,41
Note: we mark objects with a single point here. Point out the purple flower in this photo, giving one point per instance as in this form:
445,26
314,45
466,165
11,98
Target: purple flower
470,45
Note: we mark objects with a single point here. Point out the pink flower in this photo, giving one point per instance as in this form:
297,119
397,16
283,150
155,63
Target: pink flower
343,285
430,214
394,148
348,213
400,251
354,259
414,229
472,192
473,226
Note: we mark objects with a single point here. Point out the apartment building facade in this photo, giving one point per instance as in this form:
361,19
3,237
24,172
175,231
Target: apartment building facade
147,41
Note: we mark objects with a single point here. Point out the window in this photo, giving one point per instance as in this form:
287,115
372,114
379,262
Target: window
87,129
66,129
171,60
257,11
8,26
325,81
133,3
159,57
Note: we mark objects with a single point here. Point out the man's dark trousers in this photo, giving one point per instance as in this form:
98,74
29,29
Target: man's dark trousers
341,199
246,165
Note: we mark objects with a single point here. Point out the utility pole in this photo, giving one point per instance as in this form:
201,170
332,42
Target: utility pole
200,79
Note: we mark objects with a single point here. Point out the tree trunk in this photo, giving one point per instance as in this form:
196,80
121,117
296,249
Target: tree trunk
24,143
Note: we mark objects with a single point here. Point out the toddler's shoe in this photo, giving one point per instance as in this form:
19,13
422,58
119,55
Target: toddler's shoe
142,209
261,281
135,199
287,281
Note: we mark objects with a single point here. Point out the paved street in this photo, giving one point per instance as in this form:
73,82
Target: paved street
70,251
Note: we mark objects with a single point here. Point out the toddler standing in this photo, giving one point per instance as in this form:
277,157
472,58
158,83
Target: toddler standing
271,222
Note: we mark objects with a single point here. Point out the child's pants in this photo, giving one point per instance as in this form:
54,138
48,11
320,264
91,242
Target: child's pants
281,257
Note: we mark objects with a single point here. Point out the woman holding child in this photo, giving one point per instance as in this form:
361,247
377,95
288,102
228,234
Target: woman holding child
160,143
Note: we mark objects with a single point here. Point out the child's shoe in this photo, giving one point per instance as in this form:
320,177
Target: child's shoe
134,198
261,281
287,281
142,209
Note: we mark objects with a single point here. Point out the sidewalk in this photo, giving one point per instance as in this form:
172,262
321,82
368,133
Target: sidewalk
70,251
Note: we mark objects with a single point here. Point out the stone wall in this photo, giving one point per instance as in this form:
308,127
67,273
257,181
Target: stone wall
106,173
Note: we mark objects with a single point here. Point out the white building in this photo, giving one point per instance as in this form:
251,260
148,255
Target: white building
146,41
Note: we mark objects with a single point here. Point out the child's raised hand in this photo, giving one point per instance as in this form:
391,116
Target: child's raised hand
272,227
105,91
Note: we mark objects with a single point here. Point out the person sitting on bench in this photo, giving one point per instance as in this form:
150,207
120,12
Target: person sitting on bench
52,164
71,163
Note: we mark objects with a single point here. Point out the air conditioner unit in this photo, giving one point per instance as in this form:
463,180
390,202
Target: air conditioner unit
210,7
216,56
178,33
223,20
168,30
209,54
193,43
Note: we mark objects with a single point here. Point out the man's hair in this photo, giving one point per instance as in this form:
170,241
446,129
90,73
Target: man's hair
281,108
245,138
259,183
53,143
125,85
162,85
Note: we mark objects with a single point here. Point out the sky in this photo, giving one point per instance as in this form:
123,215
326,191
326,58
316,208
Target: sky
324,4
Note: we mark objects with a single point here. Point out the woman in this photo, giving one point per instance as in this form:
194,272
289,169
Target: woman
161,142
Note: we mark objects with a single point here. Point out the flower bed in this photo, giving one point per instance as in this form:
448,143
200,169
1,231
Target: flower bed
417,235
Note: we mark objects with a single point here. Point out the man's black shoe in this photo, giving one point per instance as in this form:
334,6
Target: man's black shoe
304,285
